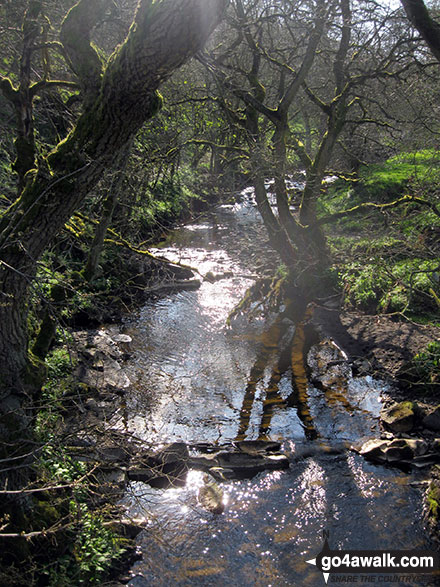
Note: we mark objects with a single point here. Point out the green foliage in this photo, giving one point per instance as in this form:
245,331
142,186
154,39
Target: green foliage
164,203
95,547
59,366
432,497
88,549
388,262
383,182
91,550
378,285
433,501
59,467
426,365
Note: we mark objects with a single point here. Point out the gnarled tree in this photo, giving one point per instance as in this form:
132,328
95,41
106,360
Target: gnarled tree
118,97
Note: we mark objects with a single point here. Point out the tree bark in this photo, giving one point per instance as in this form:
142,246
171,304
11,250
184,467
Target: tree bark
23,98
420,18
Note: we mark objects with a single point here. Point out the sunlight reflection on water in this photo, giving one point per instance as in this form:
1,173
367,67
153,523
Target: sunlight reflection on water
192,375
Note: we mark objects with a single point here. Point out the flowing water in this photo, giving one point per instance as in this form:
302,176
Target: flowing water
198,380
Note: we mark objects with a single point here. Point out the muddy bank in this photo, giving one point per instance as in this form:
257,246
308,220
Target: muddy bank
385,343
389,342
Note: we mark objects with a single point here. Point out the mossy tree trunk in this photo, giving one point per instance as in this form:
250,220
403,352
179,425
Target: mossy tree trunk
120,97
297,235
286,234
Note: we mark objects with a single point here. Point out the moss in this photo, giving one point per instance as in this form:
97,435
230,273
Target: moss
385,283
35,372
156,103
45,514
76,226
433,500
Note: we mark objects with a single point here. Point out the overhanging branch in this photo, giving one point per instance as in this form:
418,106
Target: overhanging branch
408,199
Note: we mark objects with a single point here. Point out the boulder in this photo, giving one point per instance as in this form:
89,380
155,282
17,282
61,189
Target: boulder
167,467
89,342
401,451
106,372
258,447
122,338
109,482
128,527
210,496
432,420
399,417
239,465
329,367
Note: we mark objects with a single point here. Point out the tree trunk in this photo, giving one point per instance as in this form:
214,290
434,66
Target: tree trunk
420,18
165,34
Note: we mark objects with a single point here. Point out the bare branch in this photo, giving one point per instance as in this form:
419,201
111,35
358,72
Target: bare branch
408,199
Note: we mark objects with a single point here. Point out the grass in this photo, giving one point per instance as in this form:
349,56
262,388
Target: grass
383,182
389,262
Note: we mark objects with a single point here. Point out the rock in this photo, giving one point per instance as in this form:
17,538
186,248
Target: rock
222,474
329,366
109,482
432,420
114,376
167,467
314,449
400,417
92,405
100,343
128,527
373,449
213,277
401,451
81,442
141,474
174,452
243,465
258,447
122,338
107,374
176,285
113,454
210,496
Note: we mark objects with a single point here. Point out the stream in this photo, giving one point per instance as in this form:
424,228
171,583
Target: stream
195,379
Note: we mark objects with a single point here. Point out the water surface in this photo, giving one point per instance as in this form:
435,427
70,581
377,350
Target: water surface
196,379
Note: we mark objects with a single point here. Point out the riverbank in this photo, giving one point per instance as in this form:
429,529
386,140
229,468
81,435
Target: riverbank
385,343
97,404
386,347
